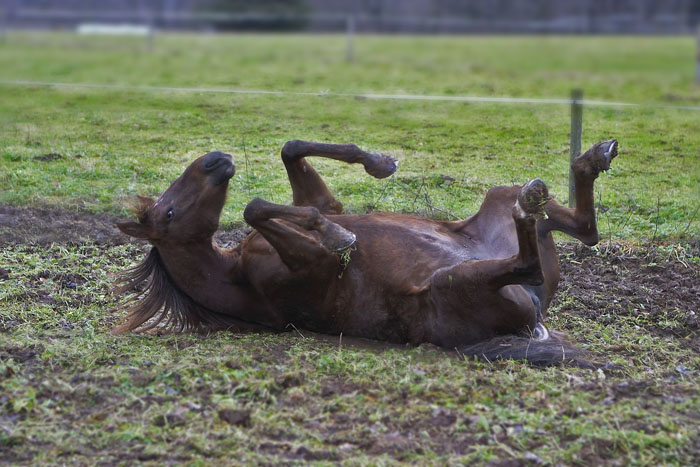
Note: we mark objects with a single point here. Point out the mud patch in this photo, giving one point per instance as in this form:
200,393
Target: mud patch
654,286
52,156
47,226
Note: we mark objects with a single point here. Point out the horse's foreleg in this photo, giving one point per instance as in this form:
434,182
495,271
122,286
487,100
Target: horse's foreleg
300,234
580,222
308,188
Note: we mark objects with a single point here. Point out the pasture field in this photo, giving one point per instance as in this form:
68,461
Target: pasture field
114,144
72,393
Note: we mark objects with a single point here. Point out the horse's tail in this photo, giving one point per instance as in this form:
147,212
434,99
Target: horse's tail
555,350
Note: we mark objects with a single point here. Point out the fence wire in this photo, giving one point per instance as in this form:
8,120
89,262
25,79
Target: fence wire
370,96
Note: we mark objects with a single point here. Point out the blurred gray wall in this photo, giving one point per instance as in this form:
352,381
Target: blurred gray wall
381,16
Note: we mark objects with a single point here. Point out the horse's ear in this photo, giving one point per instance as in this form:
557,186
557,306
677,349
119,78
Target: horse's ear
145,200
133,229
140,205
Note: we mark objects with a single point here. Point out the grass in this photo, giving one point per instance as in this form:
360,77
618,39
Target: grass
115,144
72,393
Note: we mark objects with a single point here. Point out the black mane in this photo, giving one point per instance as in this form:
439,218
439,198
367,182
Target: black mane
156,298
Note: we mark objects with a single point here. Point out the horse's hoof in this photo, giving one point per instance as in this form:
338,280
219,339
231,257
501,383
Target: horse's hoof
380,165
540,333
531,199
336,239
597,159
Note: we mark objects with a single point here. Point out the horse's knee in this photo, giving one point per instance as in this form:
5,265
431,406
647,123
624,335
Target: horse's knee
587,230
259,210
590,239
291,151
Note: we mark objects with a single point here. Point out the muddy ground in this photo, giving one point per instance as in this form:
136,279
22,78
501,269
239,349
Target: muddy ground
655,285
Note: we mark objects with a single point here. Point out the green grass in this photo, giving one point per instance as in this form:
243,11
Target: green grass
119,143
72,393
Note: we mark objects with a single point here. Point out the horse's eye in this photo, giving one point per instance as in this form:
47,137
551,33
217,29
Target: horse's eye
170,214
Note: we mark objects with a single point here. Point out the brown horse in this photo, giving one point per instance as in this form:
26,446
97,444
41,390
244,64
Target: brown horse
390,277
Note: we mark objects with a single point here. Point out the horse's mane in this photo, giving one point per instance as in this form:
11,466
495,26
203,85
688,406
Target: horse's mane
156,298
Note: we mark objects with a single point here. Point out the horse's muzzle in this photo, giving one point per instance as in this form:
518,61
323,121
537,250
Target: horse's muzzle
219,165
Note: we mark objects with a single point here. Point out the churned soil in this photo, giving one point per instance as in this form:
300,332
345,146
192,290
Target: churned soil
613,281
46,226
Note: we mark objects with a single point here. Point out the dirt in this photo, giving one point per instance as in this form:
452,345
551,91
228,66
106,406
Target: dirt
616,282
52,156
46,226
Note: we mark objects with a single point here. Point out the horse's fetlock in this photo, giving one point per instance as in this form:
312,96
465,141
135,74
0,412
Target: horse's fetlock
530,271
315,217
537,278
253,210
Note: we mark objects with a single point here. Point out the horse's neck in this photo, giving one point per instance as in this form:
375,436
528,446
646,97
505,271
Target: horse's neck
205,273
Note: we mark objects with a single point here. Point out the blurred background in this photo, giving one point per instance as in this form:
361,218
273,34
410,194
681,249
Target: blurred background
376,16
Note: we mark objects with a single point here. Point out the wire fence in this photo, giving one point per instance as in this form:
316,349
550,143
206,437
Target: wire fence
369,96
576,103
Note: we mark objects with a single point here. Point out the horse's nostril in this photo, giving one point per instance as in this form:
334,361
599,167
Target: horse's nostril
215,159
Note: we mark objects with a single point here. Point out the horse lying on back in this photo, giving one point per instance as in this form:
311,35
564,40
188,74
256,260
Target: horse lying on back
391,277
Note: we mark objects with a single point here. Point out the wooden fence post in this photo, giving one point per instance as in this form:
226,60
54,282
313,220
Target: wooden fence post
697,58
4,13
350,28
575,138
151,29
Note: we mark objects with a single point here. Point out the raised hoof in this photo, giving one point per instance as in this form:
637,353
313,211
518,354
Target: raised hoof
597,159
336,239
531,200
380,165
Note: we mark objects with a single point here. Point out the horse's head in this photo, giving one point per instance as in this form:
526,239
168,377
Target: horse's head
189,209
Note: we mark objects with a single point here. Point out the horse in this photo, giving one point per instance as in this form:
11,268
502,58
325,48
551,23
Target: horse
471,284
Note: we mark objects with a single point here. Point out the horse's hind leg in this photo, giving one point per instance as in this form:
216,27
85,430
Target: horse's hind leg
301,234
309,189
580,222
489,290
